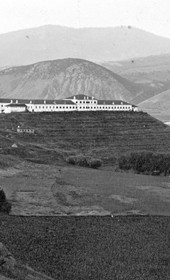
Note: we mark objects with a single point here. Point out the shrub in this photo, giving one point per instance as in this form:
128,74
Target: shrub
71,160
2,196
95,163
5,206
81,160
147,163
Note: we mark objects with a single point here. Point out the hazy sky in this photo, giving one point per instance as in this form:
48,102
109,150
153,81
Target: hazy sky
150,15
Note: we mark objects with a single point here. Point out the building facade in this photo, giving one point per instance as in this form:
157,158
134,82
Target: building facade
74,103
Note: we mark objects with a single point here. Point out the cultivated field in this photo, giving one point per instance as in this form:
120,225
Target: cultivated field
92,248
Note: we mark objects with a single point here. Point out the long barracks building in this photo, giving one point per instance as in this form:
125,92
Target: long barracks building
74,103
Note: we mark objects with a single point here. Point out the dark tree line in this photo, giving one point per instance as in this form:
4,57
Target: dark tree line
146,163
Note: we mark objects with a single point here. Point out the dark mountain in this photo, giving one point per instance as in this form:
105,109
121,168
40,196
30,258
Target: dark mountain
61,78
96,44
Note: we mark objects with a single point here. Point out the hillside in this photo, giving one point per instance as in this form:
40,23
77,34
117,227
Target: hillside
151,73
62,78
97,44
105,135
158,105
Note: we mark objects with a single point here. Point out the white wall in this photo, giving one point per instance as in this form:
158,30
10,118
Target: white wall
14,109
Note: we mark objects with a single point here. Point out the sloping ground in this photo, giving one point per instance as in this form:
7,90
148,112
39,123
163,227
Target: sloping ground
150,73
100,134
59,79
158,105
50,190
92,248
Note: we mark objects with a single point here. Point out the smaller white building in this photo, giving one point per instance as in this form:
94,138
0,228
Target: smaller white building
15,108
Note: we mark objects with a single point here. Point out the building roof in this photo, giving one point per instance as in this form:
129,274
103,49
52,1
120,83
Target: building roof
112,102
81,97
16,102
16,105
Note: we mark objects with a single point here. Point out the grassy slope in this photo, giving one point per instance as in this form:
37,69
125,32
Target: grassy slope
91,247
101,134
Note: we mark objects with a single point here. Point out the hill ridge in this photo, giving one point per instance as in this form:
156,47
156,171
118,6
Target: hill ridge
54,79
97,44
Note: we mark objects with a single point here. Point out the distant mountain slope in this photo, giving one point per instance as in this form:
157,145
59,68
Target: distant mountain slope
158,106
61,78
159,102
96,44
151,73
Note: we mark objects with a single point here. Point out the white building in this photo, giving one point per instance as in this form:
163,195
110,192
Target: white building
78,102
87,103
15,107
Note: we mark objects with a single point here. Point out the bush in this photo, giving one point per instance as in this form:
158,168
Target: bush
147,163
71,160
5,206
81,160
95,163
2,196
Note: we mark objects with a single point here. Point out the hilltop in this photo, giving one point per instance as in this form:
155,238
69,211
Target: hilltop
58,79
96,44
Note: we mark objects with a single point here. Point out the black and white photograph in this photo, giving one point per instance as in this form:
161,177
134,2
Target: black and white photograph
84,140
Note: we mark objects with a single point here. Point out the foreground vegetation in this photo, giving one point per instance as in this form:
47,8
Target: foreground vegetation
5,206
91,248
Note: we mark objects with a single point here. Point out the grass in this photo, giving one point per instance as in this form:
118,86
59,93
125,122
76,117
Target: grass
7,161
36,189
91,247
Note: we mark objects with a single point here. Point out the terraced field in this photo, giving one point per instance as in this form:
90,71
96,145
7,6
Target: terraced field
102,134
